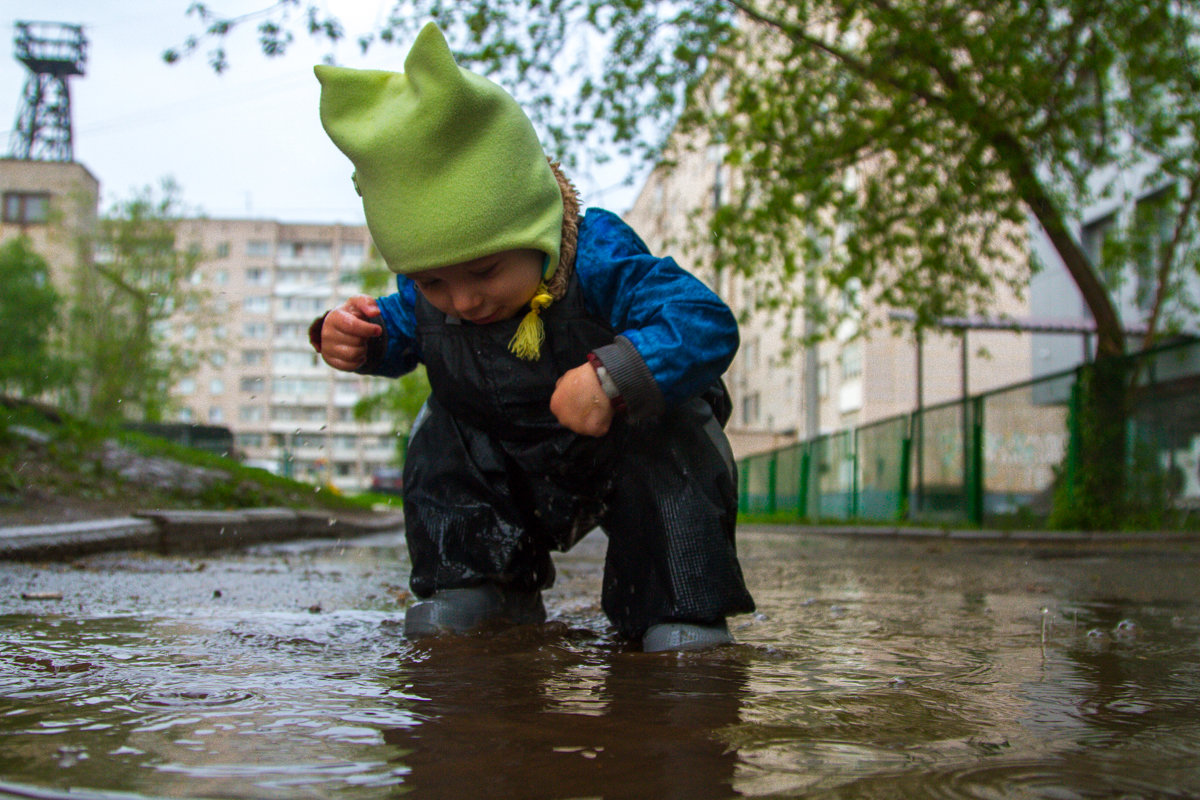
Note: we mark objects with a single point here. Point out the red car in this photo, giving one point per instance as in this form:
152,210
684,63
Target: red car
389,480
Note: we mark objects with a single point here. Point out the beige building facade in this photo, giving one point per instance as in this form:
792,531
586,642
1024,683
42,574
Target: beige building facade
264,282
256,372
783,393
53,204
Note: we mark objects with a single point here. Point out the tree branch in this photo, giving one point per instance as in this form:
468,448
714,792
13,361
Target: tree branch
1166,259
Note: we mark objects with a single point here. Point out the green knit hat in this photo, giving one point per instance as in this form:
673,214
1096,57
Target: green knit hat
449,167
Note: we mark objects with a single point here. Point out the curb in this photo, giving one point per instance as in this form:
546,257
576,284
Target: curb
982,535
172,532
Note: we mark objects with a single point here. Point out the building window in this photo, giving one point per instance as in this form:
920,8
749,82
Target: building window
291,330
216,386
223,250
252,384
249,439
254,330
295,359
256,304
251,414
253,358
258,248
306,305
1093,238
307,252
851,361
26,208
1154,219
258,277
750,409
216,414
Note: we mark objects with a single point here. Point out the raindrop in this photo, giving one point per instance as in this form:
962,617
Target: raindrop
1127,628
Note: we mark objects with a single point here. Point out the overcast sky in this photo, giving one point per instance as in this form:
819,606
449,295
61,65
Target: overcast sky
247,143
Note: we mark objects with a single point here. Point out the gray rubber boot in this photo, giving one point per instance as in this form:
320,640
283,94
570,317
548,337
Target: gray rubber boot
465,610
685,636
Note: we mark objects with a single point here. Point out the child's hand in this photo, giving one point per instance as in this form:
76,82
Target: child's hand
345,332
580,404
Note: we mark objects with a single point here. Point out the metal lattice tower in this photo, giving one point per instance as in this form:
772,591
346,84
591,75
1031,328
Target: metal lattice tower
52,52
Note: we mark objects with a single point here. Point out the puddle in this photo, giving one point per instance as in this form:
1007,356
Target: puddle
872,669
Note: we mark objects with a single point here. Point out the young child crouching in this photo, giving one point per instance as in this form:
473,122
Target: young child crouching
575,377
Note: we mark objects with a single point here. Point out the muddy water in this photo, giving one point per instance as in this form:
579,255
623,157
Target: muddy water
875,669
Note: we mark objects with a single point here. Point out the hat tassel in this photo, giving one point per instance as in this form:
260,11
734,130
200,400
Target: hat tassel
526,344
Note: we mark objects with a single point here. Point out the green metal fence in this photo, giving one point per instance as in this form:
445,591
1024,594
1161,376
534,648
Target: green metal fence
992,455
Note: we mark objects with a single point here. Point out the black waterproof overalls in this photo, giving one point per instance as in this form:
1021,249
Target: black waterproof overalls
493,482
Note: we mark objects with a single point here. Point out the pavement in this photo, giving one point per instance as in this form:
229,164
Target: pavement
1014,535
171,532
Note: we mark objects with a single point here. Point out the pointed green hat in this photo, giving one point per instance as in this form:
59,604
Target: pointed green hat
449,167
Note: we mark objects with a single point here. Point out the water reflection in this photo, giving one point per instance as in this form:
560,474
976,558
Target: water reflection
496,718
874,670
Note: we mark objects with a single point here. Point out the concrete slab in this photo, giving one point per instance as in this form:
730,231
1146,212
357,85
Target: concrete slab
67,539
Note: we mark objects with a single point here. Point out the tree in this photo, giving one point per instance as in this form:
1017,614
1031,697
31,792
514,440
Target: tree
900,145
30,316
123,304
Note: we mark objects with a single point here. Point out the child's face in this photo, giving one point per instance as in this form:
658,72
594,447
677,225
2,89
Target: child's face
488,289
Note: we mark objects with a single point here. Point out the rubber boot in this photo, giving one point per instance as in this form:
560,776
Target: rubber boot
464,610
685,636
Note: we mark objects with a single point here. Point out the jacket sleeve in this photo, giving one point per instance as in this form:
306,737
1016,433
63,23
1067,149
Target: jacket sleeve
676,337
395,352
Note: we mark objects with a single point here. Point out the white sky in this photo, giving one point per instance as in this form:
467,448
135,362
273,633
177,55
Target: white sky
247,143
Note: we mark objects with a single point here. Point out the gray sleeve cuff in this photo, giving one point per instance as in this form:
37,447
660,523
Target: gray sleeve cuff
639,390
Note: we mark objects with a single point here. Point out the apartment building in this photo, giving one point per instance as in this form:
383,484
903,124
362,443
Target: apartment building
265,281
783,393
256,372
53,203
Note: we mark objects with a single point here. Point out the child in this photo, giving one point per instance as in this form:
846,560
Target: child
575,377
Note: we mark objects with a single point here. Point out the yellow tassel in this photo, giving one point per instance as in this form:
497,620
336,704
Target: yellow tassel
527,342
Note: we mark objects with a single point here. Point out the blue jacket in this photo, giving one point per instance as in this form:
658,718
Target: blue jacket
675,336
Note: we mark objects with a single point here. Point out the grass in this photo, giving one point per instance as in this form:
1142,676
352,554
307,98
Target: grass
49,459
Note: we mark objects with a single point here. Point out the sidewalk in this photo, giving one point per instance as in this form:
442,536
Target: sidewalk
981,534
202,531
185,531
